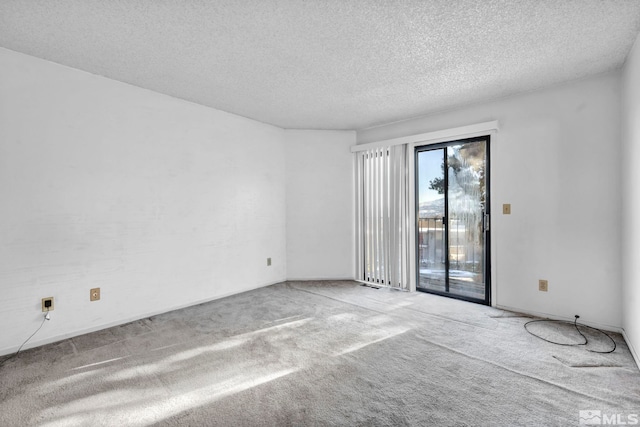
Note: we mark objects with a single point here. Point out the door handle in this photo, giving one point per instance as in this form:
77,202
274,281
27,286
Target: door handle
486,222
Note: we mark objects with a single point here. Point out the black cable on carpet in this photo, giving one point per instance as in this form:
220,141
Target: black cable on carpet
575,324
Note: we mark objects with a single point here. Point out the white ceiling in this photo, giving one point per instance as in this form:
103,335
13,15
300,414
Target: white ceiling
328,64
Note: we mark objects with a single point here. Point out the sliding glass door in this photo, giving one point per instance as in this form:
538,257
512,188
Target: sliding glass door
452,213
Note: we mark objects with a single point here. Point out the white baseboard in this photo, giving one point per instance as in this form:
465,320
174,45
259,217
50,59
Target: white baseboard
602,326
49,340
632,349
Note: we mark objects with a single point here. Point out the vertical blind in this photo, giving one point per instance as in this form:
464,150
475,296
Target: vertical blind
383,216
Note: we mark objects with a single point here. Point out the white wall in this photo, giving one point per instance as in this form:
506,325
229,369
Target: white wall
320,221
160,202
631,201
556,159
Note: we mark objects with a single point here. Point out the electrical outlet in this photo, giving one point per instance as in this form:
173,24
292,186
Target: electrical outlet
543,285
268,262
506,209
94,294
47,304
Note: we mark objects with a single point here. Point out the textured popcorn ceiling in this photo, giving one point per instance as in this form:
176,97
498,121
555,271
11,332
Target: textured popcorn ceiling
328,64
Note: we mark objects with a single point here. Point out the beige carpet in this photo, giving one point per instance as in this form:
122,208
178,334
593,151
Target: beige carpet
319,353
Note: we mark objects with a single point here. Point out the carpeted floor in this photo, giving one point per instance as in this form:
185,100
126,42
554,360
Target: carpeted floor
320,353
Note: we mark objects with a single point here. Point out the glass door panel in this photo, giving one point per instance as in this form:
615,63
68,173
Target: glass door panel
432,252
452,218
466,208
